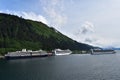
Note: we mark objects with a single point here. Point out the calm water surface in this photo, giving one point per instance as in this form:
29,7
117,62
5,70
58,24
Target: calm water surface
70,67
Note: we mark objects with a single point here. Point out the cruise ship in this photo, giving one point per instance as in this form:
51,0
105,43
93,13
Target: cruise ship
101,51
26,54
62,52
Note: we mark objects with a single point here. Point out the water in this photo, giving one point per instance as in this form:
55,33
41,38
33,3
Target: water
70,67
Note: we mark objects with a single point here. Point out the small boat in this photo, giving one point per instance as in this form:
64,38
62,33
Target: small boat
101,51
62,52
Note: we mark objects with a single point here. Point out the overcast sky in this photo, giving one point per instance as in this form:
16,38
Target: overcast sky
95,22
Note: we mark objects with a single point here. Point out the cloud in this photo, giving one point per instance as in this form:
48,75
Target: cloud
55,12
27,15
56,19
34,17
87,27
86,34
88,40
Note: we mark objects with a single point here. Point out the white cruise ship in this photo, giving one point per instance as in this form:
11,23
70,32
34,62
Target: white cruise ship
62,52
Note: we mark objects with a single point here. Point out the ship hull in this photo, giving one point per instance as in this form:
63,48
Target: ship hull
62,54
97,52
23,57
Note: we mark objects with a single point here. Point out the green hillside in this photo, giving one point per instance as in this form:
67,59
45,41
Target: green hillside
17,33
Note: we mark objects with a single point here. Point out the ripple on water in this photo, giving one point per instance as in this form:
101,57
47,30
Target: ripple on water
71,67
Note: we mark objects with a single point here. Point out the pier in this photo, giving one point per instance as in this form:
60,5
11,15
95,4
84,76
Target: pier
2,57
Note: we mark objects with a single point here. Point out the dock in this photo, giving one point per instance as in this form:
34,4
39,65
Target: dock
2,57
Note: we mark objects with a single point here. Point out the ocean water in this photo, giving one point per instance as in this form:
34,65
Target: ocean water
69,67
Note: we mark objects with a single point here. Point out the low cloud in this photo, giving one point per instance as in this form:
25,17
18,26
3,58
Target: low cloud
34,17
87,27
28,15
56,19
88,40
86,34
55,12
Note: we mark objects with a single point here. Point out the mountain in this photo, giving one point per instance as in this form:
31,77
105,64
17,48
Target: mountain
17,33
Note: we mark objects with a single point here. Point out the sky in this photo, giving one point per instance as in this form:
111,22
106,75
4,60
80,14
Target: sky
95,22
